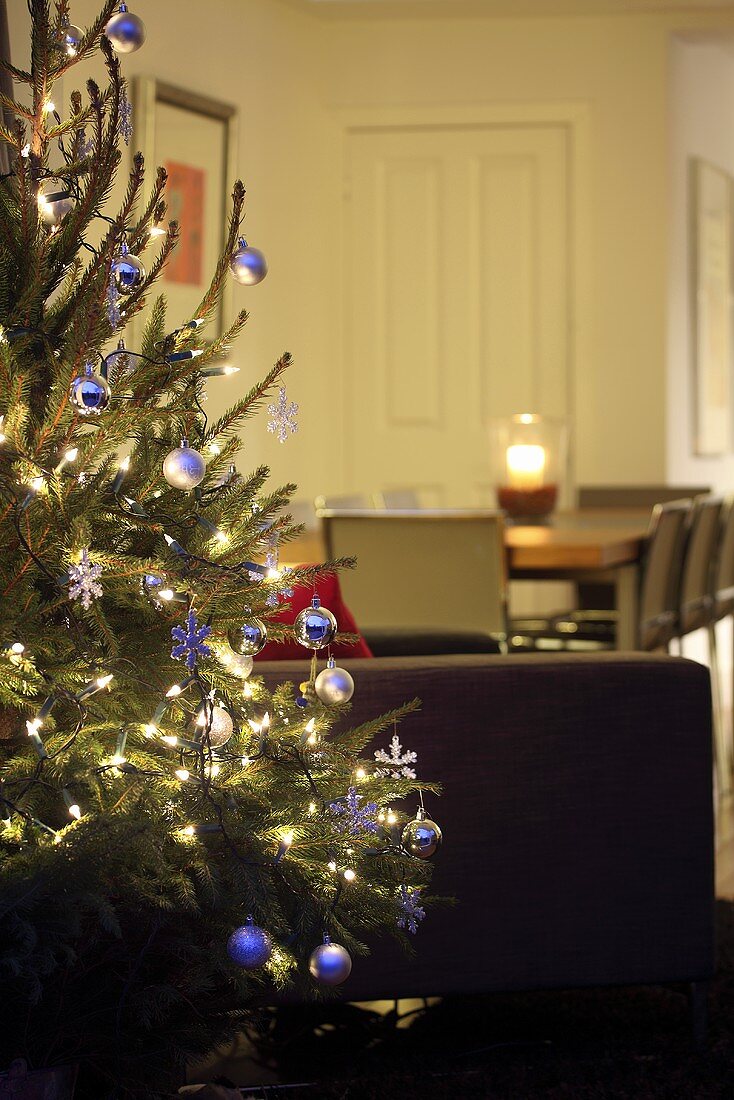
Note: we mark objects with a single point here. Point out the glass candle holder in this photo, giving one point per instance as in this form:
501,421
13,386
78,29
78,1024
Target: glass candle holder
529,462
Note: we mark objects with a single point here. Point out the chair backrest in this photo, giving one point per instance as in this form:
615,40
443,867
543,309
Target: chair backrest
723,578
302,511
406,499
425,569
344,502
696,600
662,563
634,496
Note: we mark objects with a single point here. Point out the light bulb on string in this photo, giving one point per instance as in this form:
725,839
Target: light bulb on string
68,456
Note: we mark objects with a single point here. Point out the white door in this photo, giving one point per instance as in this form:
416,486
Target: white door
457,299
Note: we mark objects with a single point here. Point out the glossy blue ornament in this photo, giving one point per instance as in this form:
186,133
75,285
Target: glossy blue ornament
315,626
249,946
89,392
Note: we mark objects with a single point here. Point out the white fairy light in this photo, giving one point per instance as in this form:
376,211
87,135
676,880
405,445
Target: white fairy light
350,875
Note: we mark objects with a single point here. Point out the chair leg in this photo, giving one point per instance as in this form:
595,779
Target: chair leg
721,748
698,1006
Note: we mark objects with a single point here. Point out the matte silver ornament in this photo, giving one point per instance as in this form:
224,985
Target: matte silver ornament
249,639
221,727
248,265
315,626
184,468
89,393
125,31
330,963
239,664
127,271
71,39
334,685
54,203
422,837
249,946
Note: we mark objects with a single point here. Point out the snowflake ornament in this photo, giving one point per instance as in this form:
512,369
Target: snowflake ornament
283,416
125,121
411,910
354,818
84,581
397,761
112,298
190,641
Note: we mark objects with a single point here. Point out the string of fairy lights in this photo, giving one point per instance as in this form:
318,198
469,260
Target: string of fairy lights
208,713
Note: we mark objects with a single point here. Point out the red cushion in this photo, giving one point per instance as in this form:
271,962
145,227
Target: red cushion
329,593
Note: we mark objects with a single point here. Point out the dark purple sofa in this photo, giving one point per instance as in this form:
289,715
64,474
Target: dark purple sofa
577,819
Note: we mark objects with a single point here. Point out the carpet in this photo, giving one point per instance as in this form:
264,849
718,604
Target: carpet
589,1044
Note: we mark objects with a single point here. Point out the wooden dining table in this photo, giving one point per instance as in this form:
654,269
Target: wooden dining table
582,545
587,546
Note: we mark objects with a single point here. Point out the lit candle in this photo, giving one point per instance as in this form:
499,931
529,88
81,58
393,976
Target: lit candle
525,466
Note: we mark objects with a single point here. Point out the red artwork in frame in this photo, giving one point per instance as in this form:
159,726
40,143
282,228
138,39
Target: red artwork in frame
185,195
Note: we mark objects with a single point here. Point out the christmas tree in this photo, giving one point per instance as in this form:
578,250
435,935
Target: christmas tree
175,840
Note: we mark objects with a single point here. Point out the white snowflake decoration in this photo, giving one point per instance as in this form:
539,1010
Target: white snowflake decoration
397,761
84,581
411,910
283,416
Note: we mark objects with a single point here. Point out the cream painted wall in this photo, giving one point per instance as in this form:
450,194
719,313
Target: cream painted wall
702,125
293,74
617,67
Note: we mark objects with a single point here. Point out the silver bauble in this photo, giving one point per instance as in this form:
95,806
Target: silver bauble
248,639
239,664
184,468
127,271
54,203
89,392
125,31
315,626
421,837
249,946
71,39
221,727
334,685
330,963
248,265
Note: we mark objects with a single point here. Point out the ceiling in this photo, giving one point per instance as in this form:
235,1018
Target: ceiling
347,8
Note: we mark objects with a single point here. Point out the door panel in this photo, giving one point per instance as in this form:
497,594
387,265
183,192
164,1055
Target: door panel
458,290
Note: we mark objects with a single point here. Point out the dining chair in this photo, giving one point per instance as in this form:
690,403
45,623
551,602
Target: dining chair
722,595
440,570
634,496
344,502
697,610
401,499
622,497
659,590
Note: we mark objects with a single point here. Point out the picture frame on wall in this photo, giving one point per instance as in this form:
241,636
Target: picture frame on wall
712,191
195,139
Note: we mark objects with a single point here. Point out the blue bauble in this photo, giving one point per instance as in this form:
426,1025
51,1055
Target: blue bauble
249,946
89,392
314,627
